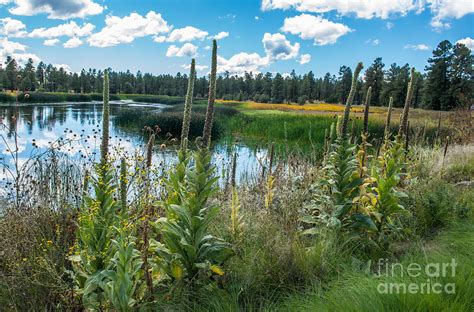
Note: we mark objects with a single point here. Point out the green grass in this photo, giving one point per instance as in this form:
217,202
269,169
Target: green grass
355,291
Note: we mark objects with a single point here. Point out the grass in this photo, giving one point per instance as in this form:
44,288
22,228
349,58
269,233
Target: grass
356,291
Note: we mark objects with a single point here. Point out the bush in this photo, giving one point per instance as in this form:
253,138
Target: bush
159,99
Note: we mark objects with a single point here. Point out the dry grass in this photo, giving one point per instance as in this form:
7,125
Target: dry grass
377,113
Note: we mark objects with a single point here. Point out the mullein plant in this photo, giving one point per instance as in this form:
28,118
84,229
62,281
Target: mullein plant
97,218
335,204
190,252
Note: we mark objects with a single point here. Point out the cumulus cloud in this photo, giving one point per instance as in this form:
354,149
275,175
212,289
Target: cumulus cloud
468,42
198,67
16,50
72,43
187,33
119,30
188,49
420,46
444,10
242,62
221,35
159,39
305,58
12,28
361,8
51,42
315,28
277,47
70,29
56,9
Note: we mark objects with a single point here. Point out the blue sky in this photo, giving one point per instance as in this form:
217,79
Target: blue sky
161,36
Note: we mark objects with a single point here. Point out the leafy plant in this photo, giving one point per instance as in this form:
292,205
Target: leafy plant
187,246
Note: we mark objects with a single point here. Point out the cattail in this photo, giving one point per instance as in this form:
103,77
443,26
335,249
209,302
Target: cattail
187,107
104,148
206,137
123,183
404,119
366,110
389,116
350,98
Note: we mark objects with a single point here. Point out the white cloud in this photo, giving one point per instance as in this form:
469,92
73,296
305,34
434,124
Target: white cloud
305,58
257,18
159,39
242,62
119,30
12,28
389,25
420,46
468,42
187,33
442,10
446,9
198,67
361,8
373,41
63,66
57,9
207,47
72,43
278,48
188,49
316,28
16,50
70,29
51,42
221,35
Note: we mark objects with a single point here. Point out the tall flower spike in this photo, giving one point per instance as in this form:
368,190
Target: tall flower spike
404,119
187,107
389,116
366,110
123,184
206,137
350,98
104,148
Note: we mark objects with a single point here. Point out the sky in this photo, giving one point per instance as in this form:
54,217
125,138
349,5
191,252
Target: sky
161,36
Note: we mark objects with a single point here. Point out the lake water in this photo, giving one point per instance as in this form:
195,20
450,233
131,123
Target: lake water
74,129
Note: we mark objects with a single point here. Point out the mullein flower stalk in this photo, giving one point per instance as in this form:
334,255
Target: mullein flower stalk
350,98
206,137
403,130
187,107
389,116
104,148
147,214
123,184
366,110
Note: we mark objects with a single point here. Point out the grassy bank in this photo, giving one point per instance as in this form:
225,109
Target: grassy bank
58,97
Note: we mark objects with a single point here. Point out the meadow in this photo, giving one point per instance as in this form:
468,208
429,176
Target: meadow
124,233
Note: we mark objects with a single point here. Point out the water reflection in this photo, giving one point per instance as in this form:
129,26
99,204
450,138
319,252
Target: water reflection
75,130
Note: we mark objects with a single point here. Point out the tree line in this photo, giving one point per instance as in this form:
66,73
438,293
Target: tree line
446,84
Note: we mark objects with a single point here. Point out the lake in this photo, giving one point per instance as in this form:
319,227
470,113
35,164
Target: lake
73,129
